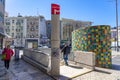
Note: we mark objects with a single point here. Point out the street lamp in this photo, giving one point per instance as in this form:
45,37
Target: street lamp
117,22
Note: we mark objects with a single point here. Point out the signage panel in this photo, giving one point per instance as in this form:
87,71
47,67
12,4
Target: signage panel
55,9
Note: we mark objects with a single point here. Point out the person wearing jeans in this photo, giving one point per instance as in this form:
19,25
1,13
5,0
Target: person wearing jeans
66,51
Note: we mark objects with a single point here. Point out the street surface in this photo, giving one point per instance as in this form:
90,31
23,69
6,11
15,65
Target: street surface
21,70
105,74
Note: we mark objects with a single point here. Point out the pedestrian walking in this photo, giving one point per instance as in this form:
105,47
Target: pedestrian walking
8,52
66,50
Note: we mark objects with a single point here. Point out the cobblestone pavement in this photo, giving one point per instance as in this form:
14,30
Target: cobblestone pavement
20,70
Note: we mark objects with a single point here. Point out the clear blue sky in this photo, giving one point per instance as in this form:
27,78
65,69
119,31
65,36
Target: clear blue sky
97,11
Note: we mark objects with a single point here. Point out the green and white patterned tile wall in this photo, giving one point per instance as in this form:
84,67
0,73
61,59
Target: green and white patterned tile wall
95,39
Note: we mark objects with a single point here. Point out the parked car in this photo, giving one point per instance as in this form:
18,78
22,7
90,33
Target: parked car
45,47
42,46
12,46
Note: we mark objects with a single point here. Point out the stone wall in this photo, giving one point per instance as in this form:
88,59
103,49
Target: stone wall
42,60
86,59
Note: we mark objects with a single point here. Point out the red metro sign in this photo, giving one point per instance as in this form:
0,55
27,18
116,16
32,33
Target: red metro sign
55,9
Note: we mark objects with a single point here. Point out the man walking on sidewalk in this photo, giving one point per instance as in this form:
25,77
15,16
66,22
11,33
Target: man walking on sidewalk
66,50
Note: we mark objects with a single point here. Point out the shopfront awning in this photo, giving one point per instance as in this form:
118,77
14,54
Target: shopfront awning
2,34
7,36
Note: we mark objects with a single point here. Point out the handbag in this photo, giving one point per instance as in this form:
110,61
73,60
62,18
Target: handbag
3,56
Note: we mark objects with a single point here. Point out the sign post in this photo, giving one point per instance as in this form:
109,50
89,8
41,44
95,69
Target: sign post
55,40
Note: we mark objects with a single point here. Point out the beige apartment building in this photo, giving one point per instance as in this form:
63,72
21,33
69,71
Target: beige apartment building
32,31
36,30
66,27
69,25
32,27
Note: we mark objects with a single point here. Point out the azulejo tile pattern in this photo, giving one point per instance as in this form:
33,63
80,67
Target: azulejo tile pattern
95,39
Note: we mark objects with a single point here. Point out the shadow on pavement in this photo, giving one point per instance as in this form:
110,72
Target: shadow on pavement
61,77
77,67
101,71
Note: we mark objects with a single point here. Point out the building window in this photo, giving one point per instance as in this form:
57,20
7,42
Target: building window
37,27
12,27
48,23
21,35
21,27
13,21
32,29
31,36
27,26
21,21
8,27
7,23
6,30
31,23
8,33
12,34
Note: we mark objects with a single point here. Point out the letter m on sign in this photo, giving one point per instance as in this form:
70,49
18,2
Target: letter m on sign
55,9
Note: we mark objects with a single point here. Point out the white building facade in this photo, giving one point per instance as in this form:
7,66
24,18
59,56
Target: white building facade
16,28
114,36
25,28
